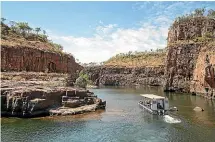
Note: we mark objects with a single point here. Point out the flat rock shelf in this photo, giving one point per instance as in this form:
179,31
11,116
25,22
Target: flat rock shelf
26,100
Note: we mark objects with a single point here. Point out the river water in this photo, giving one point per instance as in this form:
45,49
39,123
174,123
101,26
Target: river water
122,121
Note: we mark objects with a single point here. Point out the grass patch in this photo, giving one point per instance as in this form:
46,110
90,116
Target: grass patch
138,59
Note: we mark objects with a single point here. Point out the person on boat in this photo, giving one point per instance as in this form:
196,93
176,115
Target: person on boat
159,106
148,102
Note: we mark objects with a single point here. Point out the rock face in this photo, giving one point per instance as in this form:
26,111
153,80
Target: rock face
191,28
28,101
180,63
31,59
124,76
187,46
204,73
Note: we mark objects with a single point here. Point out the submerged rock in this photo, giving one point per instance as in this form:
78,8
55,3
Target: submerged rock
198,109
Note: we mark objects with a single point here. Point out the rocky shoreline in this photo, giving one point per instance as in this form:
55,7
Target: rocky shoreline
29,100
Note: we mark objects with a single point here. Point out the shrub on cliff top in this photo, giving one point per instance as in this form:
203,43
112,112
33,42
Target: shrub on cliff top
211,13
23,30
199,12
147,58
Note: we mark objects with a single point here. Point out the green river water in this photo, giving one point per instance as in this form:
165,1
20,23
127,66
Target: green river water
122,121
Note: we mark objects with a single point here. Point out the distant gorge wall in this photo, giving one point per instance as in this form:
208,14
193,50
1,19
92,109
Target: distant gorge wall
185,69
35,60
125,76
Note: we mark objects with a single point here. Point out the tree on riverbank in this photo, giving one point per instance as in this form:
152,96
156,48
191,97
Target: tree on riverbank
83,80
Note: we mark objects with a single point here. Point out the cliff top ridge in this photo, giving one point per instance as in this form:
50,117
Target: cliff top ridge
138,59
21,35
196,27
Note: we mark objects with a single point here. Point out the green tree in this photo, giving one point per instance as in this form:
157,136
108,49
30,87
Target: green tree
12,23
29,29
211,13
82,80
3,19
199,12
23,26
44,32
37,30
57,46
13,26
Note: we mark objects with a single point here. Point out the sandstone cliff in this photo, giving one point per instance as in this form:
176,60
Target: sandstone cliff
203,75
25,51
125,76
189,42
129,69
190,29
30,59
180,63
34,73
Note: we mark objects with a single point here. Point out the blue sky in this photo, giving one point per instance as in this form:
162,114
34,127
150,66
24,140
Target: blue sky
95,31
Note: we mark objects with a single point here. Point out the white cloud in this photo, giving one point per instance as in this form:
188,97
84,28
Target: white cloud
105,29
110,40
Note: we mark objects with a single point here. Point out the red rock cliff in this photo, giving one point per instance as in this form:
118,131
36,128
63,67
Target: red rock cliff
189,42
32,59
203,75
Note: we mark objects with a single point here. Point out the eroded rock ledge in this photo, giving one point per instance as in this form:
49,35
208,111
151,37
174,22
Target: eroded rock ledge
36,100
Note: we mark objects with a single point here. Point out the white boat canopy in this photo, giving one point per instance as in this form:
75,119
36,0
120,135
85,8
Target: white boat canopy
152,96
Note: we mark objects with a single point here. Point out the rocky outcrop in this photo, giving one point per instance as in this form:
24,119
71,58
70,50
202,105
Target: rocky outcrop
186,41
20,58
191,29
33,101
125,76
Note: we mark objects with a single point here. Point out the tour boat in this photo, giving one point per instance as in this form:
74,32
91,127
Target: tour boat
154,104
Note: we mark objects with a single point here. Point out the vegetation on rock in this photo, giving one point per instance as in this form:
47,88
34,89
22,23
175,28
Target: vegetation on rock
138,59
83,80
196,27
20,33
197,13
